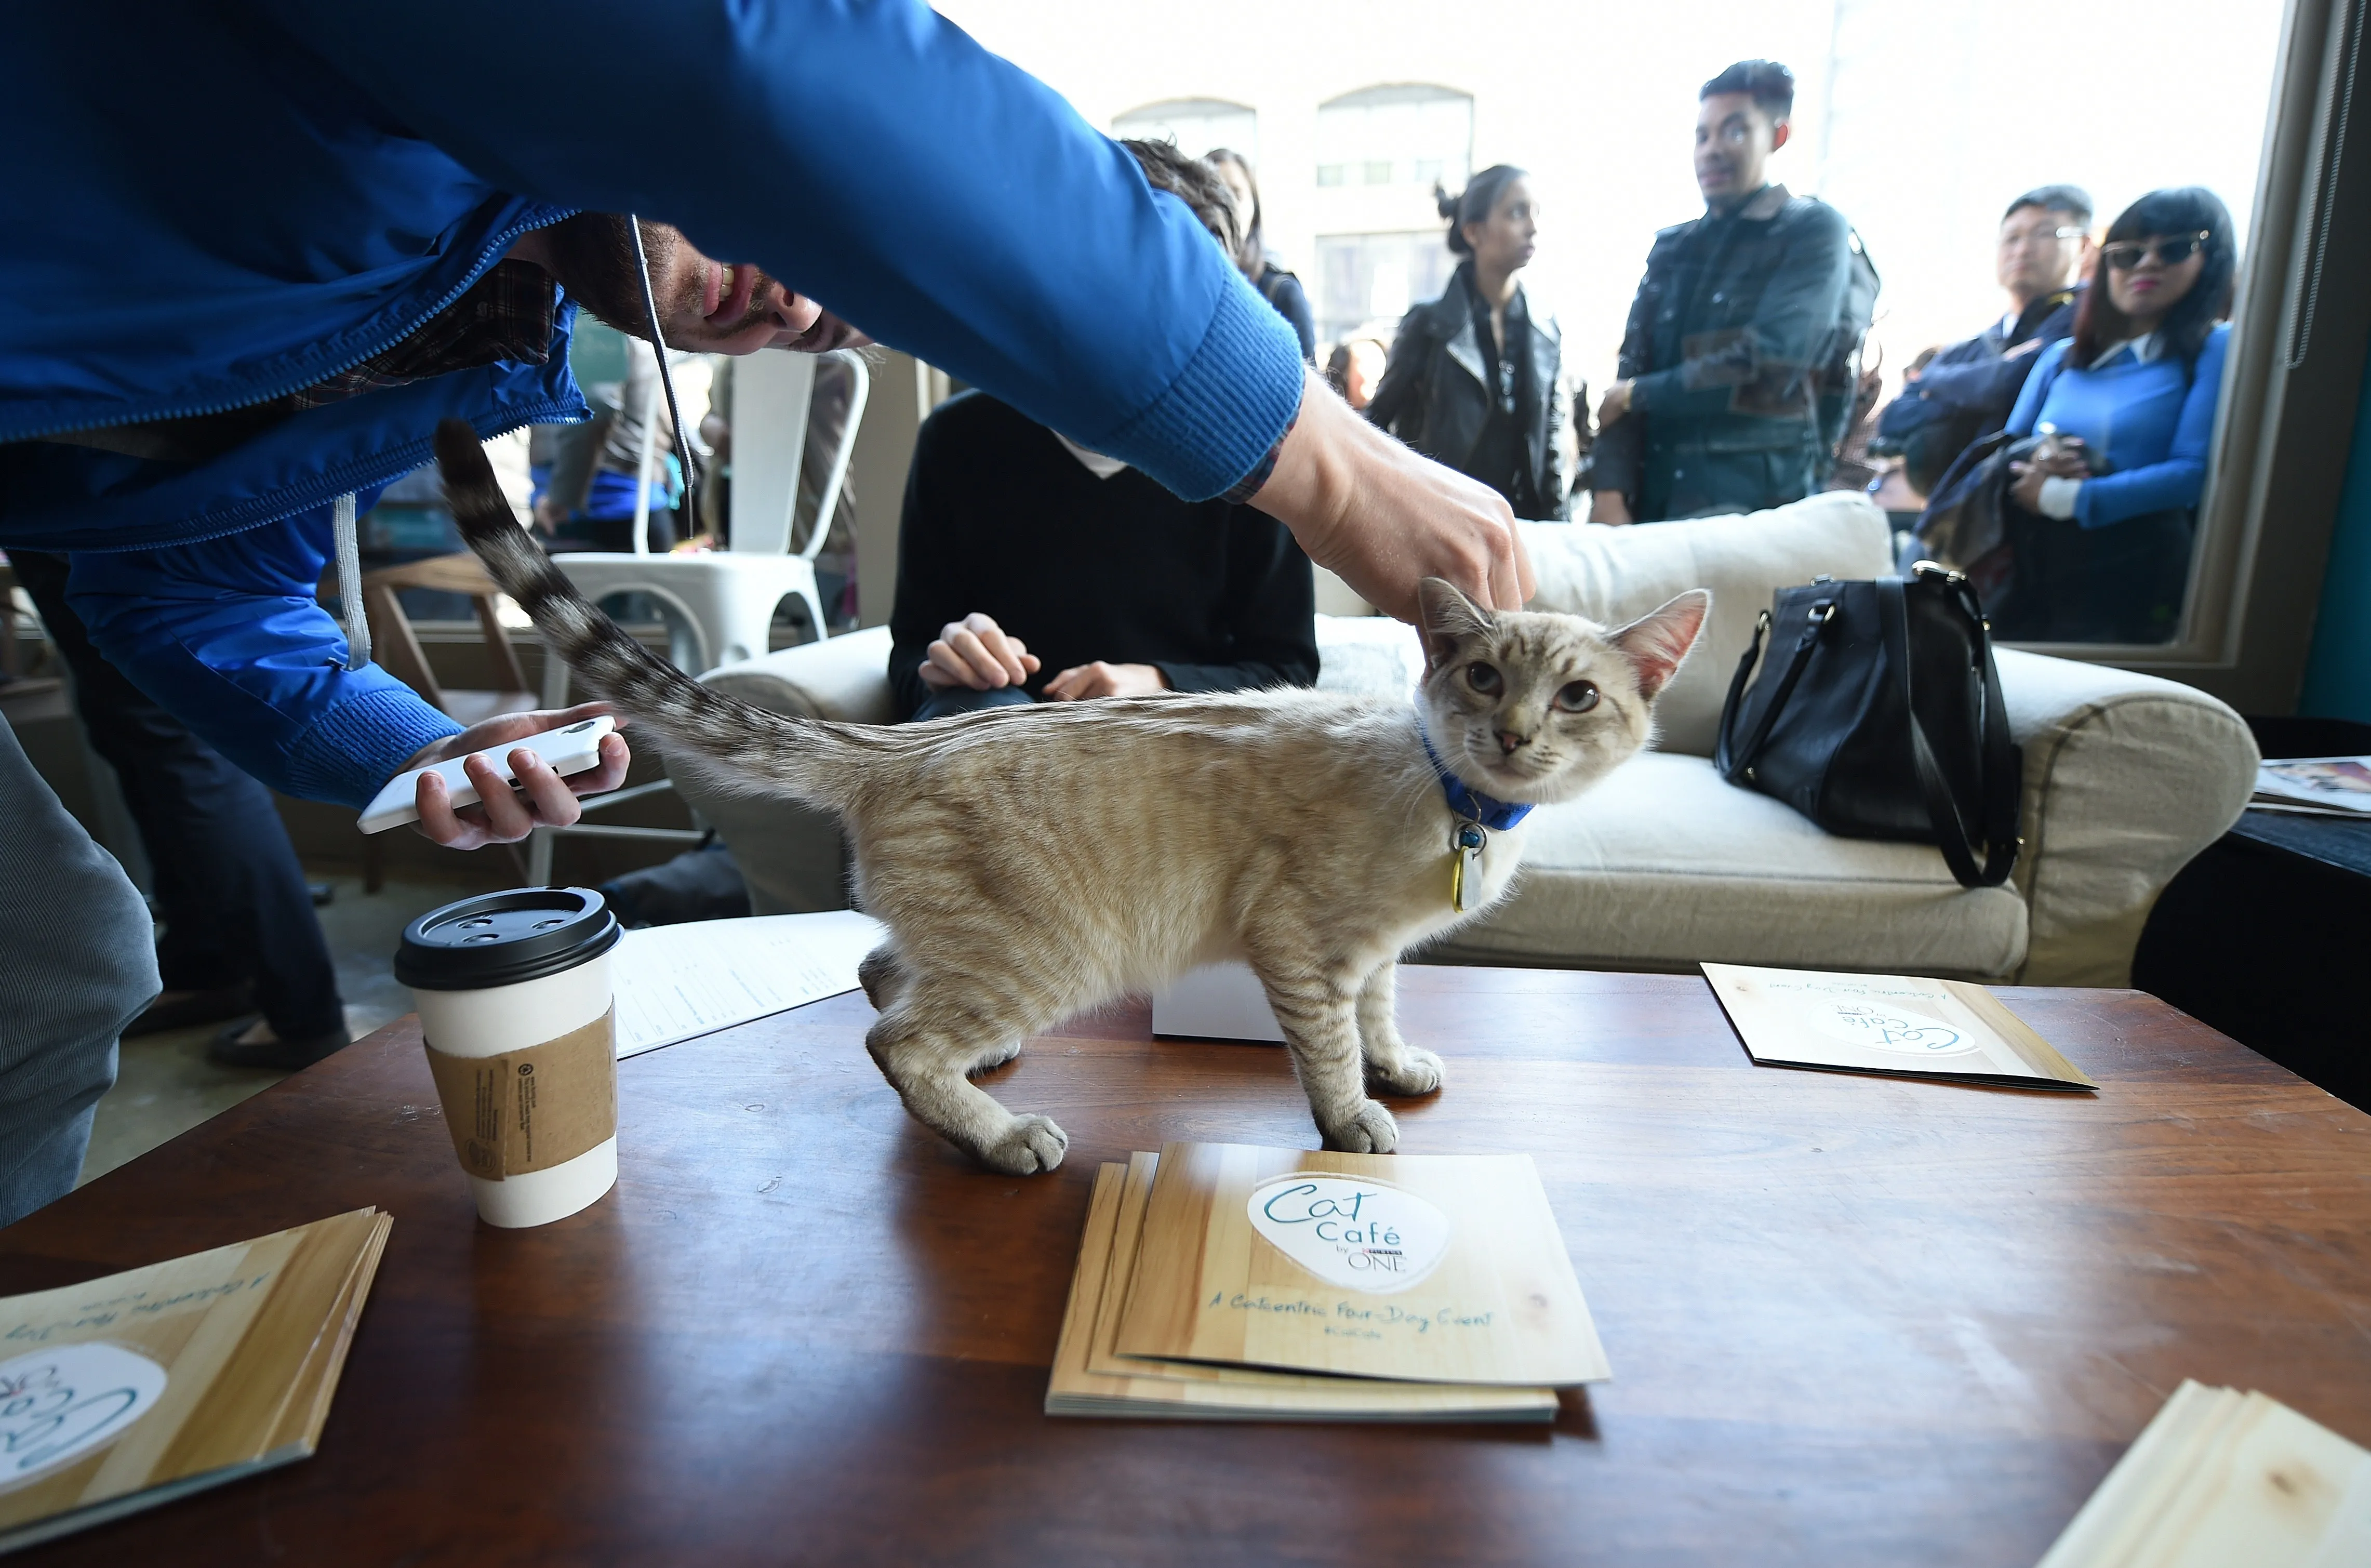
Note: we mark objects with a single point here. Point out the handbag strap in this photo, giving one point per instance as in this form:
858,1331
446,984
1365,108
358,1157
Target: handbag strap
1942,811
1736,765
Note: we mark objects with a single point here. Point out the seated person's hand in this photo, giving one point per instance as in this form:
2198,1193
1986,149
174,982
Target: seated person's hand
976,652
2070,461
548,514
505,816
1101,680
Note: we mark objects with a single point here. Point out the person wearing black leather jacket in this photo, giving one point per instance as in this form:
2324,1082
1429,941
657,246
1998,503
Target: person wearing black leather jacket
1716,404
1967,389
1473,379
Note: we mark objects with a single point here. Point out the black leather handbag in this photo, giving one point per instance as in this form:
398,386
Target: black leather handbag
1879,715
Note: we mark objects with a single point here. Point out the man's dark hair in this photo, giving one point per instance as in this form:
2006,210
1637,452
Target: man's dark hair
1195,182
2072,200
1769,84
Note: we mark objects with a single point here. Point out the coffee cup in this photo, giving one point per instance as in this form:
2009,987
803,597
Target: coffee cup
513,995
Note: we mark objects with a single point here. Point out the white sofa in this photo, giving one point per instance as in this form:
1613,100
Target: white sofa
2126,777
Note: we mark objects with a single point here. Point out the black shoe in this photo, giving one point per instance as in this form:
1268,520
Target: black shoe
321,892
194,1009
275,1054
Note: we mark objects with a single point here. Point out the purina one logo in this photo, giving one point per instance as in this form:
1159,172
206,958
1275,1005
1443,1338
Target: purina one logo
1361,1234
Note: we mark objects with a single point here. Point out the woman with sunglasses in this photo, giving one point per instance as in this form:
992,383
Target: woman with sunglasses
2105,503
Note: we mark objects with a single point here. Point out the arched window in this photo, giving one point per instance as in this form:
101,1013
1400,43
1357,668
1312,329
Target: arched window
1408,134
1197,124
1380,152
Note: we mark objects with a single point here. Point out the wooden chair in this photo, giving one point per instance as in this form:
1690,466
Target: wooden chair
396,648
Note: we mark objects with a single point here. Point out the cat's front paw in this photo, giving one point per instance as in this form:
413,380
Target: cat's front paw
1031,1144
1369,1130
1417,1071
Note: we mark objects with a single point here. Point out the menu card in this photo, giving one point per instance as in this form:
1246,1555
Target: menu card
1421,1268
1092,1378
2221,1478
1895,1025
124,1392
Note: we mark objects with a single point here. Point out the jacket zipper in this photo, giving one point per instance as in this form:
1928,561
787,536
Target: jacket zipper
501,243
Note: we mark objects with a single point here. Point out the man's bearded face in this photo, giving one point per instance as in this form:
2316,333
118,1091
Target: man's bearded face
705,306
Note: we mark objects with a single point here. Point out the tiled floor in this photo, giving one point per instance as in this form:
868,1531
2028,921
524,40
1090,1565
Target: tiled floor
165,1085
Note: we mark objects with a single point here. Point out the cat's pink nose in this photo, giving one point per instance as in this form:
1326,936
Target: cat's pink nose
1509,740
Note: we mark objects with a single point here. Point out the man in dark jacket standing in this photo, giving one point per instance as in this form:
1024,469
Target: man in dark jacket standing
1967,389
1735,331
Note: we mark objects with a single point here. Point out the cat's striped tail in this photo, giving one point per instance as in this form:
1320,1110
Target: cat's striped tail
805,759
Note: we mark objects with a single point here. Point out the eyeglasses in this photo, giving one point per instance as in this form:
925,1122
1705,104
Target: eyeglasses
2052,235
2172,252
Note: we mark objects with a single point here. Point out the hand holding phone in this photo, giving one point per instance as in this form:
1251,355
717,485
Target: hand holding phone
572,748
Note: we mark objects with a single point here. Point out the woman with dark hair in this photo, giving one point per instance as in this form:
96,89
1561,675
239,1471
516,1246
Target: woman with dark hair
1276,286
1473,380
2105,506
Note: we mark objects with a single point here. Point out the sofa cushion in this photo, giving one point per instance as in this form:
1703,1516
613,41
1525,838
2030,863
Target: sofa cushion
1616,574
1664,864
841,678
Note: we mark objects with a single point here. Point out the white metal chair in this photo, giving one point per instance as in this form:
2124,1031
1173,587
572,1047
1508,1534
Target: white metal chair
721,603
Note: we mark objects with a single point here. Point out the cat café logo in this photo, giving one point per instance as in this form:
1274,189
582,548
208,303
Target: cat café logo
1883,1028
57,1405
1365,1235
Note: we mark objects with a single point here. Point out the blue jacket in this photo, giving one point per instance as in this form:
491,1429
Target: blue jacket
2146,425
209,207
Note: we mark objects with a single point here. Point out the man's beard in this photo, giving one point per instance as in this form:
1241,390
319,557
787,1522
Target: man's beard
592,256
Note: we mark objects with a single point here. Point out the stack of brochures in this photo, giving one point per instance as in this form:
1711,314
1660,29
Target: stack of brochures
2222,1478
2313,786
1222,1281
143,1387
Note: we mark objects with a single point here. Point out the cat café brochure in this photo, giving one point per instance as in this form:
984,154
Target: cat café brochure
1288,1283
2222,1478
1892,1025
127,1391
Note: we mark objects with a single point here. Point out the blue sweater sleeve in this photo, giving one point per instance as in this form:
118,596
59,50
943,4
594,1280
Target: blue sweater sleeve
2180,479
874,158
227,636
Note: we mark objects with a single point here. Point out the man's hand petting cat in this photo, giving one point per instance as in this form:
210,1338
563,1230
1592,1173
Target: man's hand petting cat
1385,518
506,817
1101,680
976,651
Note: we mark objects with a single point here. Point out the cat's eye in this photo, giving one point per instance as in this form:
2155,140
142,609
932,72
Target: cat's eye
1577,698
1484,678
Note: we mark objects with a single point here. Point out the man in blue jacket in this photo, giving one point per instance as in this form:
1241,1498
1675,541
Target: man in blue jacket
1738,331
254,251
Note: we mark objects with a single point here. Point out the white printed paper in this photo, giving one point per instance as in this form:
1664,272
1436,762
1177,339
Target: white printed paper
1361,1235
57,1405
674,982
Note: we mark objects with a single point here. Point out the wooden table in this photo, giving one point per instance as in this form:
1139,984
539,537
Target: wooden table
1852,1320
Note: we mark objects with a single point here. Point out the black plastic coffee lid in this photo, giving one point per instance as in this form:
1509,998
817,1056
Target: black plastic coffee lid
504,938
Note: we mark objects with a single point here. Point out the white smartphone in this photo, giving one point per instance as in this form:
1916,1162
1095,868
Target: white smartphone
570,751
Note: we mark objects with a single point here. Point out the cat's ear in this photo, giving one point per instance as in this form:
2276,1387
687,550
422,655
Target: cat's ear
1656,642
1446,618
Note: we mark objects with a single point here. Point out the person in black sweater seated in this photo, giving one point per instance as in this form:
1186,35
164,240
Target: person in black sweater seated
1030,569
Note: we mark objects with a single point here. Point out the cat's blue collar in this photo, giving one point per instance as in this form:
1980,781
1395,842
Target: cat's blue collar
1471,803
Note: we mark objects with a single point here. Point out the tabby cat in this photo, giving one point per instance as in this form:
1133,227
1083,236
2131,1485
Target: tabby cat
1031,863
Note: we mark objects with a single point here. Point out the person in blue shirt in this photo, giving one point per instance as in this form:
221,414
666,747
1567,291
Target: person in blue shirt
2104,512
257,250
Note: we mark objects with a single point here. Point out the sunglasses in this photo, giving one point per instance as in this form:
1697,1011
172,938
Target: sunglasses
2040,235
2124,257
